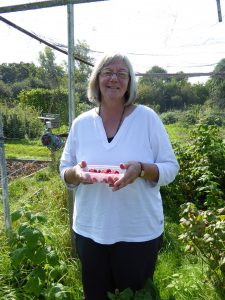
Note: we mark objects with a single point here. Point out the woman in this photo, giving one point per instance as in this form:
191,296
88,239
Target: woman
119,226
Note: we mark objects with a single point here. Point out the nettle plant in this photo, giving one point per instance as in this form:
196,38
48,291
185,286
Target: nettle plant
204,235
36,268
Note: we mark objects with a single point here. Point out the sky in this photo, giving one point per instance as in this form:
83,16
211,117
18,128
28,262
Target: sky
176,35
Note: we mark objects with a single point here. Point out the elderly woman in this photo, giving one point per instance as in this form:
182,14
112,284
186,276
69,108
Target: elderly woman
118,226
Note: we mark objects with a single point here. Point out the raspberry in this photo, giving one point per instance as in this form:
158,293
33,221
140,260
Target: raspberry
122,166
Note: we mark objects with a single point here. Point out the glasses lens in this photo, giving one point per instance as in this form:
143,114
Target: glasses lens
122,74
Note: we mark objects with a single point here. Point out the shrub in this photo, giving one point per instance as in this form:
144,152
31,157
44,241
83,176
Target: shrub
189,118
169,118
20,122
202,170
203,232
37,270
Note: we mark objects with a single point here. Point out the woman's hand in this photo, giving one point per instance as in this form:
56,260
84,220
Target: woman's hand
75,175
133,170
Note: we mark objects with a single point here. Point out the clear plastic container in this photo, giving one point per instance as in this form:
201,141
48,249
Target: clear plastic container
103,173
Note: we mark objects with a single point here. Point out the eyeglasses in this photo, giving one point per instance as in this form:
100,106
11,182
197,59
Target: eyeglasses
109,73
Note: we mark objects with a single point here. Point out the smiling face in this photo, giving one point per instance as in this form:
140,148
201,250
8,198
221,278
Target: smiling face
113,81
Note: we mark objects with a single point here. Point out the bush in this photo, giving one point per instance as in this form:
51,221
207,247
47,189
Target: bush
169,117
189,118
203,232
202,177
37,270
21,122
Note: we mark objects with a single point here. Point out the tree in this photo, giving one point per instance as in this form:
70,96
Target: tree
82,70
16,72
216,85
169,93
49,72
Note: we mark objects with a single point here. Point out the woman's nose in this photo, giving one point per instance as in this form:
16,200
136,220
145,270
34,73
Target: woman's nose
114,76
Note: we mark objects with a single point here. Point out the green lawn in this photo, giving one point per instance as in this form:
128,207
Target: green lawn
24,149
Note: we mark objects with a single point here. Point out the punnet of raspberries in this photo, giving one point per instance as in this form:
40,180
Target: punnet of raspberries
103,174
105,171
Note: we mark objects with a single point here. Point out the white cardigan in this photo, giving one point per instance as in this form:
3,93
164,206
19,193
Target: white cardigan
134,213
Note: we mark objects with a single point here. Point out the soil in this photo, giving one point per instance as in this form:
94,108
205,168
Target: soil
22,168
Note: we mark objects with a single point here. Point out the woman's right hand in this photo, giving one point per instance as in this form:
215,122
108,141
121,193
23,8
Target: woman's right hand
83,178
75,175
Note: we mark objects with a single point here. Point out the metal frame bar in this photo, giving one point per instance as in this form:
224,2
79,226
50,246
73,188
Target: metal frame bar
42,4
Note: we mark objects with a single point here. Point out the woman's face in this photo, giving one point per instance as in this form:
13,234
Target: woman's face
113,81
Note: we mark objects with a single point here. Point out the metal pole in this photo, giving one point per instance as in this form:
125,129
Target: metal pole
219,10
4,181
71,65
71,93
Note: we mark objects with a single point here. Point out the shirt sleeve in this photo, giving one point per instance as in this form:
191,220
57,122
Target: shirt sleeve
68,158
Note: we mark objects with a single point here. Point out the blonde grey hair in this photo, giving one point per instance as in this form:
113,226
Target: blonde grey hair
93,91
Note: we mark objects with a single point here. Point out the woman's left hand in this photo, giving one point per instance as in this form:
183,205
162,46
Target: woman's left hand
133,170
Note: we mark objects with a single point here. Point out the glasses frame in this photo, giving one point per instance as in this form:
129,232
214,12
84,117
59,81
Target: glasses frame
109,74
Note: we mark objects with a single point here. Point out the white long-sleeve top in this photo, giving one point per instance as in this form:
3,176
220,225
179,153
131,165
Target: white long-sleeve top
135,212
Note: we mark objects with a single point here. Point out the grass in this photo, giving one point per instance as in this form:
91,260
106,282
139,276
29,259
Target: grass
26,149
177,133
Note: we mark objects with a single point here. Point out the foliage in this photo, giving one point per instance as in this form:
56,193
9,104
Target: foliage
49,72
169,117
5,91
36,267
16,72
202,170
82,70
20,122
47,101
169,93
51,101
149,292
204,235
216,85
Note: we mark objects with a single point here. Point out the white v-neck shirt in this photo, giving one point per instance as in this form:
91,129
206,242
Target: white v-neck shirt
134,213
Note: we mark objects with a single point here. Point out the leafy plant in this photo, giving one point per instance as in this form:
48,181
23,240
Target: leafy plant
203,232
149,292
202,170
36,267
20,122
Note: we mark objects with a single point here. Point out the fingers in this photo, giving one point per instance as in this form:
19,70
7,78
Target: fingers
131,174
82,164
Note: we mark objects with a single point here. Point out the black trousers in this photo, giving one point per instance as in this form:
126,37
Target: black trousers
118,266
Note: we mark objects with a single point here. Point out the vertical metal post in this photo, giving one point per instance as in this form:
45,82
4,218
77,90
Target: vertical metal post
71,65
219,10
4,181
71,92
